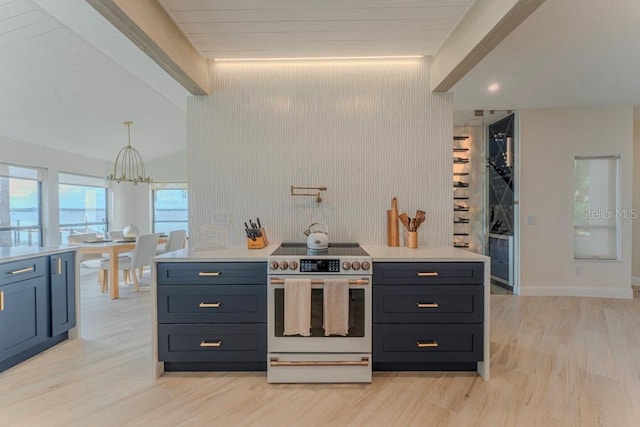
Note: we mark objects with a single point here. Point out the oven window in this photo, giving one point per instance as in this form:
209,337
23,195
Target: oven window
356,314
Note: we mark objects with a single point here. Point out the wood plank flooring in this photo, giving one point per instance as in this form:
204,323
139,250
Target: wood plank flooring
556,361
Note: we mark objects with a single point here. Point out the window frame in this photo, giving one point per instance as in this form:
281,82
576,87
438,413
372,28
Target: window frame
168,186
80,180
614,212
38,177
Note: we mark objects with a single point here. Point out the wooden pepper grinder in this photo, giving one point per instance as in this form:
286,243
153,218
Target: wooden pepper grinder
393,232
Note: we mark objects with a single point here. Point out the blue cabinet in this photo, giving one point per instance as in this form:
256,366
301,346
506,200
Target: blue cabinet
212,316
428,316
37,305
24,310
62,293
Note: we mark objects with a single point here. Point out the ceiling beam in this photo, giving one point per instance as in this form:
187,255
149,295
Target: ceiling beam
480,30
150,28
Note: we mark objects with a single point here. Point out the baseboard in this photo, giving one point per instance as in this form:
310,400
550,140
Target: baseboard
566,291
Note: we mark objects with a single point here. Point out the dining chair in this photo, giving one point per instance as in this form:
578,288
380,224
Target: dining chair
78,238
175,241
115,235
140,257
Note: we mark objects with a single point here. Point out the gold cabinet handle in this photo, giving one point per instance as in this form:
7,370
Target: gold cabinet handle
362,362
427,344
210,304
211,344
428,305
427,273
59,266
23,270
209,273
1,300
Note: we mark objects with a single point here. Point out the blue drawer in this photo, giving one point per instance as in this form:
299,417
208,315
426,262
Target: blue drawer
15,271
212,304
414,343
212,273
428,304
212,343
428,273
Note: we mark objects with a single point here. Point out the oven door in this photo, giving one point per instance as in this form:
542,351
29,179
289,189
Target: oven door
359,337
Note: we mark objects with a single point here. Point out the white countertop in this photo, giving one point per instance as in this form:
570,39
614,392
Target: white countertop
25,252
237,254
382,253
378,253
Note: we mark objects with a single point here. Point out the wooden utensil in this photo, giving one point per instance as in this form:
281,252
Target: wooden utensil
420,218
404,219
393,232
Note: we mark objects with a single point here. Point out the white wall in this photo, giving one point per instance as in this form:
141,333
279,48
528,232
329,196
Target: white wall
171,168
368,130
550,139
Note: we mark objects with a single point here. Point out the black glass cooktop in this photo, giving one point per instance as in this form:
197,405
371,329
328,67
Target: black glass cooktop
335,249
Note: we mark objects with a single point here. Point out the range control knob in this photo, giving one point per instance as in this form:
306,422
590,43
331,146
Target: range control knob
273,265
366,265
355,265
293,265
284,265
346,265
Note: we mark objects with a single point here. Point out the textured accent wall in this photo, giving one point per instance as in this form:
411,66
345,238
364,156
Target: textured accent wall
367,129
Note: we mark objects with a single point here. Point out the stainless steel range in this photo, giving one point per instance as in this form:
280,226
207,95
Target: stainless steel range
302,289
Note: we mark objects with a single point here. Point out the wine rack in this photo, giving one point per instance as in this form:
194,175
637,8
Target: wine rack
461,226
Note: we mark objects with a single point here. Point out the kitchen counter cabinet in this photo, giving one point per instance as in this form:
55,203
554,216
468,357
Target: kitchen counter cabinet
62,292
430,316
211,316
37,304
23,307
462,289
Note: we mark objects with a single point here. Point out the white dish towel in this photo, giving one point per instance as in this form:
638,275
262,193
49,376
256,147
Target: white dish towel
336,307
297,307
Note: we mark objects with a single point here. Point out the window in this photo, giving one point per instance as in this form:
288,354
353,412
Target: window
170,207
82,203
20,206
596,212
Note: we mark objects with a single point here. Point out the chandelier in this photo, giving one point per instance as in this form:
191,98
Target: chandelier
129,166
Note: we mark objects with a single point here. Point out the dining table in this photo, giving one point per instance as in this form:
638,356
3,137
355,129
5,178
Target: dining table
113,248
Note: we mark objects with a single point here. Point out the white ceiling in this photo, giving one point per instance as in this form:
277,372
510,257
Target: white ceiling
567,53
312,28
60,91
69,80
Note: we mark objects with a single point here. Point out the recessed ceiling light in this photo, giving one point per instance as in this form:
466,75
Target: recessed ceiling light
493,87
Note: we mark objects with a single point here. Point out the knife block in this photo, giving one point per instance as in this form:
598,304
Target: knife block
259,243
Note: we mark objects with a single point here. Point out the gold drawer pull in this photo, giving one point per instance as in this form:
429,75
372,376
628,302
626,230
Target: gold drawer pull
212,273
211,344
428,305
210,304
427,344
427,274
59,266
1,300
23,270
362,362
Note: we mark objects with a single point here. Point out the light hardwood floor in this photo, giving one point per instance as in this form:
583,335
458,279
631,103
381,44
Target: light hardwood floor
555,362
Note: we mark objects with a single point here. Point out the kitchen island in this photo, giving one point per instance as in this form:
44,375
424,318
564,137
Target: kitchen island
38,301
471,273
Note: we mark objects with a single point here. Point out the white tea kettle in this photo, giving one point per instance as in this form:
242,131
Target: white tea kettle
317,239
